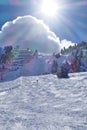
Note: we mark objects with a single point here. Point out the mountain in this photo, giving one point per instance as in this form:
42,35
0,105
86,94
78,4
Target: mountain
25,62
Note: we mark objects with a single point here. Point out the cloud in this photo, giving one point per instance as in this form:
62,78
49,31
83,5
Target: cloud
29,32
66,44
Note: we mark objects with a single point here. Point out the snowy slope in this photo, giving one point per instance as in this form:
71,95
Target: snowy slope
34,65
49,104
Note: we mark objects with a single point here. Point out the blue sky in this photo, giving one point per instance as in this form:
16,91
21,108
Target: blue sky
70,23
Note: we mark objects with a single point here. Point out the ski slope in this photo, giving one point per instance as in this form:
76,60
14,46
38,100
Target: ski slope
49,104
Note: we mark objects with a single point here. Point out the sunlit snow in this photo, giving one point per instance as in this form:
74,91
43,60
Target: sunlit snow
49,104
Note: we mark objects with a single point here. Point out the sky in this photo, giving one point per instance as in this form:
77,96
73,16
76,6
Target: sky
69,23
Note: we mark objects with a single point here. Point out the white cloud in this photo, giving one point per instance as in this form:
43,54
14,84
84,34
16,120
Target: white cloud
29,32
66,44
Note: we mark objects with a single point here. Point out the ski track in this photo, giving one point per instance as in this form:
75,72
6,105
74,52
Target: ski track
49,104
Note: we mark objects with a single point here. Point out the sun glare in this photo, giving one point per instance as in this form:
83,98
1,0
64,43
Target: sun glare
49,7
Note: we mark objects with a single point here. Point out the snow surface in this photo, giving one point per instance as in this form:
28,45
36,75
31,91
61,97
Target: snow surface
49,104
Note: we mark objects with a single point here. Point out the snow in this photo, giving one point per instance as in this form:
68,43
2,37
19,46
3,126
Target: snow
49,104
37,65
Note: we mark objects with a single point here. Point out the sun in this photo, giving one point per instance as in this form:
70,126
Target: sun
49,7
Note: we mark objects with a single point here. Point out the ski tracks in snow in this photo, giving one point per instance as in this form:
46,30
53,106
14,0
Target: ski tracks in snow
44,103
